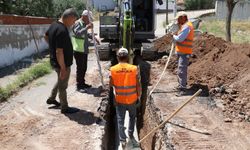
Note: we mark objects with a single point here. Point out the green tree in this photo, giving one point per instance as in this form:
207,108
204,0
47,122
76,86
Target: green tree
60,6
199,4
27,7
21,7
44,8
41,8
6,6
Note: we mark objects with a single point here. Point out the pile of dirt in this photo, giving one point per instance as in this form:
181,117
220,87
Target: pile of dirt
163,43
225,68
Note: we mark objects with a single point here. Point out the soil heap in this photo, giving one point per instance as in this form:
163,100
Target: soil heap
224,68
163,43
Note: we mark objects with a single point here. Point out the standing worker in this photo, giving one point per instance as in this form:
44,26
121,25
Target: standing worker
184,42
125,79
61,57
80,45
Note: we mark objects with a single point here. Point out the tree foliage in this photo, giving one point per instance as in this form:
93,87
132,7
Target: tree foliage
61,5
27,7
44,8
5,6
199,4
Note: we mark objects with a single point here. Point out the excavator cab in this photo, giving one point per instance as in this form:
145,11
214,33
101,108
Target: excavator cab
143,14
140,28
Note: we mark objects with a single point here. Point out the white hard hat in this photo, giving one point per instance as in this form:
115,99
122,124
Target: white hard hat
122,52
87,13
181,13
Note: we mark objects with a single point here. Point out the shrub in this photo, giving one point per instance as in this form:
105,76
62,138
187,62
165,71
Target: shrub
199,4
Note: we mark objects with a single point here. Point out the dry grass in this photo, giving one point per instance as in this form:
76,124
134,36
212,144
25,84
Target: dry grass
240,30
37,70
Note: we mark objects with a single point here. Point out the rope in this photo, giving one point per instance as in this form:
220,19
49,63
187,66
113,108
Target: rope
164,70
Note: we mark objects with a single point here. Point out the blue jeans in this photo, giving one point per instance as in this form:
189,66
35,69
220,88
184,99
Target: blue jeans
182,69
120,112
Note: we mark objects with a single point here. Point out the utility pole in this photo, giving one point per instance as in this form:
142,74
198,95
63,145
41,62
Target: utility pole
175,9
166,12
166,31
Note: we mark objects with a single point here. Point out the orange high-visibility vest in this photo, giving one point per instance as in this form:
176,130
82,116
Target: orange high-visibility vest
124,81
185,47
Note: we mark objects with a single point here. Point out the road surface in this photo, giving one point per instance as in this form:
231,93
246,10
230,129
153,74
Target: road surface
161,18
27,122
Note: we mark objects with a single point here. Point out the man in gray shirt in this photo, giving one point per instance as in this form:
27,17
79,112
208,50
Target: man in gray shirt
80,45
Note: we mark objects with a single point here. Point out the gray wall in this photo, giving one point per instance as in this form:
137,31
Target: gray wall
17,42
102,5
240,12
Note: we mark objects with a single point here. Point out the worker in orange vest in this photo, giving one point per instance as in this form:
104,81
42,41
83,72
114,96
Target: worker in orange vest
125,80
184,41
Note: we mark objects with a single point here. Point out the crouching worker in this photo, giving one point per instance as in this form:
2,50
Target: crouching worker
125,80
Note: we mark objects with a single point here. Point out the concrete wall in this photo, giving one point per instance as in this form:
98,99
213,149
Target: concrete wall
17,42
240,12
102,5
24,20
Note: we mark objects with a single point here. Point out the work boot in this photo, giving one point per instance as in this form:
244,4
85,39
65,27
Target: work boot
54,102
81,89
177,88
87,85
123,143
181,92
133,141
69,110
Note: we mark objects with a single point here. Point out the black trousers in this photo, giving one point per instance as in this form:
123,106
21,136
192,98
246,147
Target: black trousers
81,67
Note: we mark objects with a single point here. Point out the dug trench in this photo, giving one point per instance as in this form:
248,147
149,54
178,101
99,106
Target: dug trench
107,109
147,115
215,119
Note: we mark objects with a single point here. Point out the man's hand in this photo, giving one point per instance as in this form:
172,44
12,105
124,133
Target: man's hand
60,60
171,34
63,73
97,41
90,26
46,38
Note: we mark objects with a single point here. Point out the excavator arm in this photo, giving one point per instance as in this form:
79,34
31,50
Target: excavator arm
127,28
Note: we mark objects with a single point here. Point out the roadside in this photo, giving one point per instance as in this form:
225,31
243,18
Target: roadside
161,18
9,74
27,122
23,77
240,29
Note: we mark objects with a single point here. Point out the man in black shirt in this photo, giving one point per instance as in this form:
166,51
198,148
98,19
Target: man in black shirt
61,57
